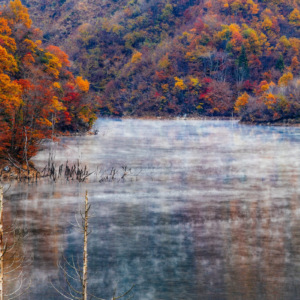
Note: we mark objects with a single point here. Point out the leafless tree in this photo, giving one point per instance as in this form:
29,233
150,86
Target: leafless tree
76,273
12,262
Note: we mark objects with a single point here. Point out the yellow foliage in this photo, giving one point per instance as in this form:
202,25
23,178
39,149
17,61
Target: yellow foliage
165,87
179,84
164,62
117,28
56,85
195,81
86,115
57,105
82,84
53,65
61,55
285,42
241,102
45,122
200,106
294,17
110,25
272,84
254,41
267,24
8,42
234,28
265,87
270,100
285,79
30,44
20,13
136,57
7,61
10,94
186,35
236,6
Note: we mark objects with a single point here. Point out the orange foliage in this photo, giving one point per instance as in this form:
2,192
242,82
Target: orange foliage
7,61
61,55
270,100
136,57
179,84
241,102
10,94
32,108
82,84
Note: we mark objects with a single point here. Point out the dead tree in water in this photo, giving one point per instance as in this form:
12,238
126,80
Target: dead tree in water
75,172
76,276
16,262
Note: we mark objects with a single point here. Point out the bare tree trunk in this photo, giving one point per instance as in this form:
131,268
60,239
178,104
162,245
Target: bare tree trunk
26,150
72,292
1,244
85,248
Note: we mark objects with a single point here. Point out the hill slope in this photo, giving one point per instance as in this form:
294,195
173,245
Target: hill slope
39,96
170,57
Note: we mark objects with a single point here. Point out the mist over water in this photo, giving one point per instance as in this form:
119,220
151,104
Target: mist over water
208,210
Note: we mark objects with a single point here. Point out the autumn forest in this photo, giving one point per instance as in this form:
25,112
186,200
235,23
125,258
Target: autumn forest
148,149
168,58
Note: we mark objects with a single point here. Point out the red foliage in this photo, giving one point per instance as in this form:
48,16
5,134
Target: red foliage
199,25
161,75
25,84
248,85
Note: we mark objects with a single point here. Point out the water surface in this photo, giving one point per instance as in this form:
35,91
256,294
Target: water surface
208,210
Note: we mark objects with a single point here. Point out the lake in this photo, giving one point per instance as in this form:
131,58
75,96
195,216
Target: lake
182,209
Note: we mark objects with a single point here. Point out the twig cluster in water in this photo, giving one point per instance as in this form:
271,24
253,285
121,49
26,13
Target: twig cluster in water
77,172
70,173
112,174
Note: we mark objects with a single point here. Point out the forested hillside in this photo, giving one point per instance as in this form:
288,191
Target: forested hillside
39,96
214,57
170,57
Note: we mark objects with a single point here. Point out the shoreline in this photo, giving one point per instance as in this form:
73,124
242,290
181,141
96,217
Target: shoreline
9,172
193,118
168,118
278,123
269,124
201,118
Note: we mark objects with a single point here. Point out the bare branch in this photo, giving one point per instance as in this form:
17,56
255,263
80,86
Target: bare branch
62,294
126,293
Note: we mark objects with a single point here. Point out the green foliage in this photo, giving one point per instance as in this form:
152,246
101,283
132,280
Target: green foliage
243,60
280,64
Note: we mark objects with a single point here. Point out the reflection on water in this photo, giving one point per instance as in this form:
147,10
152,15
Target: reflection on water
211,211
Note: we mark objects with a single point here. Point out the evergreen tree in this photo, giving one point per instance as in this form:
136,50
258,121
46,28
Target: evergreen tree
243,61
280,64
